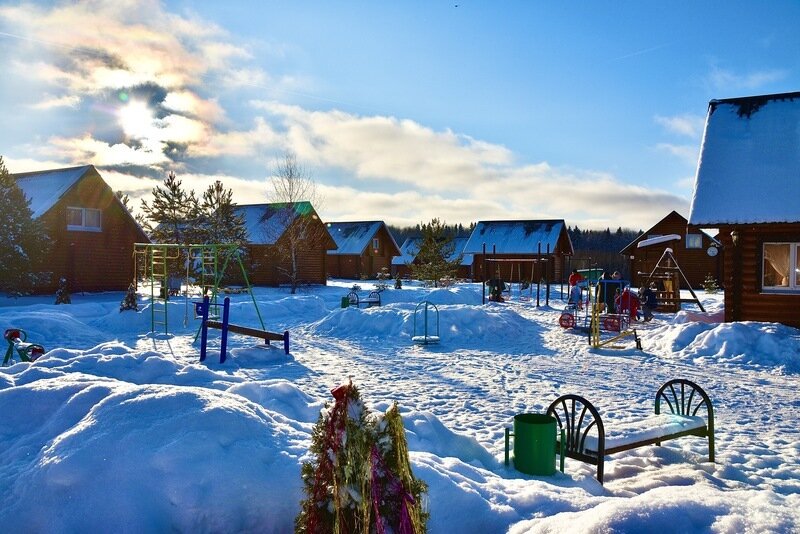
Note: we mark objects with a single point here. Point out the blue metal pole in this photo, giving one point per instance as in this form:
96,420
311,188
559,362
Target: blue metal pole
204,330
226,308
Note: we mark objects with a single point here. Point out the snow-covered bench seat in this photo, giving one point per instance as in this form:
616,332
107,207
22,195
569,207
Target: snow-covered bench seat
373,299
687,412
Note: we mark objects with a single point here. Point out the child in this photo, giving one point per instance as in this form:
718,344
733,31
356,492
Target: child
628,303
649,302
575,297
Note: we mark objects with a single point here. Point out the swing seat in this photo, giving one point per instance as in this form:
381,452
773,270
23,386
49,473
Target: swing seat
425,340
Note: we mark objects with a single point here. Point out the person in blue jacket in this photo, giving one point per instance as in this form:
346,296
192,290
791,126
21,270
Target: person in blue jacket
649,301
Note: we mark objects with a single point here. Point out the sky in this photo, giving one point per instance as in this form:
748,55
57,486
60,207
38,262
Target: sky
400,111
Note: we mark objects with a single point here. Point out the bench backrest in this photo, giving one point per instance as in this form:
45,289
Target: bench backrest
684,397
579,419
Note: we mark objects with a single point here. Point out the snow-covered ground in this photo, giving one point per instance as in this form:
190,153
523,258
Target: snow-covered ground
116,429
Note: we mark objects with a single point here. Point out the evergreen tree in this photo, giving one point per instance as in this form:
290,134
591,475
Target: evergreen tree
220,222
172,216
25,240
435,252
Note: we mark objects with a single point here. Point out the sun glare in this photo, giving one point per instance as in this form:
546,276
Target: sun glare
136,119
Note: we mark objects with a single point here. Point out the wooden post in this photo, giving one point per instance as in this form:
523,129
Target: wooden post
547,277
539,279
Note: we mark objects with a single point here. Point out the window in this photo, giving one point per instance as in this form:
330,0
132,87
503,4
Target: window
84,219
376,244
694,241
781,268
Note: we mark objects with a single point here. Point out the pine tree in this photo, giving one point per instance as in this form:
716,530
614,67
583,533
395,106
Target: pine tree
220,222
25,240
710,284
172,216
435,250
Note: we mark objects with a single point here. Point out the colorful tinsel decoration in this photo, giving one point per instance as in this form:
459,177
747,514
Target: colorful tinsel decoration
360,479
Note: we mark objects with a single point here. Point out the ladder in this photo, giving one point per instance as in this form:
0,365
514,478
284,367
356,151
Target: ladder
159,273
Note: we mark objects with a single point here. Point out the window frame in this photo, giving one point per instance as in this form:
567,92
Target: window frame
84,227
376,244
698,237
794,268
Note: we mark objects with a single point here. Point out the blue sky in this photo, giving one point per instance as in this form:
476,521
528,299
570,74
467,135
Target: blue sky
400,111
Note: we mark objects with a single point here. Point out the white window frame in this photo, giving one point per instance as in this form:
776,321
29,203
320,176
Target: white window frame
697,237
84,227
376,244
794,268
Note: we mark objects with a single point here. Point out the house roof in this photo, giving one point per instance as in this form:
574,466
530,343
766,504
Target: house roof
408,251
45,188
749,162
266,223
354,237
515,237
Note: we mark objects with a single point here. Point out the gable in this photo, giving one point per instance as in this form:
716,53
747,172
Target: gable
749,162
267,223
45,188
515,237
353,238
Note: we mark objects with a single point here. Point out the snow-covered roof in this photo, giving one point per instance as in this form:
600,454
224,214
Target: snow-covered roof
408,251
749,164
266,223
45,188
411,245
354,237
514,237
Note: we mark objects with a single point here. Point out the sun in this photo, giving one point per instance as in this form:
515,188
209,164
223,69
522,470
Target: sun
136,119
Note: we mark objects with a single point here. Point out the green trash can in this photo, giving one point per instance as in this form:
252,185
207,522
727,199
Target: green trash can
345,302
534,444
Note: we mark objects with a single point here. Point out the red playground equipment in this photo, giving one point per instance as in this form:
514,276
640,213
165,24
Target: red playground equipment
28,352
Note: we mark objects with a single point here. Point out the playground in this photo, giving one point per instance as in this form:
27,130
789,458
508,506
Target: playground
113,403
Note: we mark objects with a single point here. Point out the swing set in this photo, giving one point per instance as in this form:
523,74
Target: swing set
163,264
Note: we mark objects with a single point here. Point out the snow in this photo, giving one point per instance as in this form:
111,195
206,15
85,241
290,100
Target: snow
119,429
657,240
45,188
749,164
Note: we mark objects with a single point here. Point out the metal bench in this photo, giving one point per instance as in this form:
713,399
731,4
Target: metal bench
586,438
373,299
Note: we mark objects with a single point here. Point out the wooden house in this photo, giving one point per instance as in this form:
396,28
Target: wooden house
410,248
364,248
272,229
746,186
519,250
696,252
92,232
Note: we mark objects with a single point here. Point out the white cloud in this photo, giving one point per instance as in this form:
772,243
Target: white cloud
387,147
687,153
87,150
687,124
726,80
68,101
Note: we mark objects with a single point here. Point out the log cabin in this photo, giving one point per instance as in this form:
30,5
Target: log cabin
519,250
364,249
271,229
697,253
746,186
92,232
